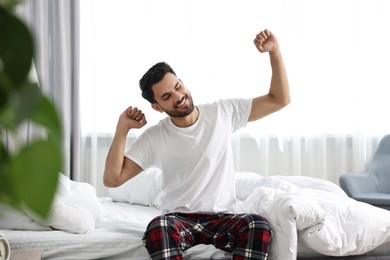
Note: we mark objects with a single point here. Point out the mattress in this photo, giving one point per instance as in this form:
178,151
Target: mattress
118,235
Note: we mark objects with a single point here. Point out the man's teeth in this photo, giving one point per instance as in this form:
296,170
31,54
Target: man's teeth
182,102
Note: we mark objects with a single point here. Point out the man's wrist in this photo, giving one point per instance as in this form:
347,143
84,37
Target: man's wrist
275,53
120,132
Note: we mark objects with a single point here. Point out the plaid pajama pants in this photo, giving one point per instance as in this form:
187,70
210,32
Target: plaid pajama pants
246,236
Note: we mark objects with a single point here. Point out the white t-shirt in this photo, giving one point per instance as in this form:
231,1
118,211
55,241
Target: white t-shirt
196,161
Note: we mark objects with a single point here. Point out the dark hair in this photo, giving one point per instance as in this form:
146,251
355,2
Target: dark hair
151,77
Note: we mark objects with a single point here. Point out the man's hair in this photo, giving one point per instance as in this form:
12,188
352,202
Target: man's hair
151,77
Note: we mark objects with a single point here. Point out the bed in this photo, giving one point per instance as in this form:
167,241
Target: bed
311,219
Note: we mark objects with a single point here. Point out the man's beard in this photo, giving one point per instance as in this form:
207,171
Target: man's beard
188,111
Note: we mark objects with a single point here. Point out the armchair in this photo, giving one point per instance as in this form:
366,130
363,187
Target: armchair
372,186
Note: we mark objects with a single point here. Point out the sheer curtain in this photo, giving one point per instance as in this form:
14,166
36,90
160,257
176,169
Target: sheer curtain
335,53
55,27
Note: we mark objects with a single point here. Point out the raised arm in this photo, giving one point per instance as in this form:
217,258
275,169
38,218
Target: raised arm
279,94
118,168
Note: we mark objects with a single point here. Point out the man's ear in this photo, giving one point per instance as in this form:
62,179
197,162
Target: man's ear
157,107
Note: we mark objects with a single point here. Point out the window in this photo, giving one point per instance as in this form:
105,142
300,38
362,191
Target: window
336,54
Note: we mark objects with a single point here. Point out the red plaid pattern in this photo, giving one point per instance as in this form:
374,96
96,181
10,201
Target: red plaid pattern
246,236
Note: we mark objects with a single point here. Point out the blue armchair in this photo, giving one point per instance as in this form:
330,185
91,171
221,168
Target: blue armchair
372,186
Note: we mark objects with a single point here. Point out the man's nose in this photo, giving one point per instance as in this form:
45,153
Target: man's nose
177,96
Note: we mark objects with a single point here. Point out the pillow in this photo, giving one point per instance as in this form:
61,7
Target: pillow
11,218
84,195
144,189
75,207
70,218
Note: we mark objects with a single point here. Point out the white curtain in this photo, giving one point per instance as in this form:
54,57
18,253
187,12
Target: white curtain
55,27
336,55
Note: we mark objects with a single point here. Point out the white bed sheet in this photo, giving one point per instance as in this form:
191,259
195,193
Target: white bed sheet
111,239
117,235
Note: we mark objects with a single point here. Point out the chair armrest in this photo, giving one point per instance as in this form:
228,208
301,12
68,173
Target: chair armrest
356,183
381,200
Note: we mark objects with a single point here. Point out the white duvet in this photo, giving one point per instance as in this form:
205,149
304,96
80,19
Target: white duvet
317,211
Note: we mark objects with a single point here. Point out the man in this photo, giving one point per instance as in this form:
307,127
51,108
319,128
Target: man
192,147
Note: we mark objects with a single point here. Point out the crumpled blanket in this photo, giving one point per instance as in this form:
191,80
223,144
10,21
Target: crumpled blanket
75,209
317,211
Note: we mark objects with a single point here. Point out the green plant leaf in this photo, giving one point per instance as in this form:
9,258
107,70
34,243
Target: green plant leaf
9,4
29,177
34,175
4,174
5,86
22,103
4,156
46,115
16,47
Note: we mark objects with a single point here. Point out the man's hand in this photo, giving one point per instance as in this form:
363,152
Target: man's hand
265,41
132,117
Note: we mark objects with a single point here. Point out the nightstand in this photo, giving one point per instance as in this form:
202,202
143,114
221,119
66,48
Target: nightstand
26,254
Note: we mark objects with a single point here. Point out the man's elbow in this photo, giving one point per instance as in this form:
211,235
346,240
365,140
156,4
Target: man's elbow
109,181
285,101
282,102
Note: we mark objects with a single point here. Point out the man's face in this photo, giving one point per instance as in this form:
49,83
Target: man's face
172,97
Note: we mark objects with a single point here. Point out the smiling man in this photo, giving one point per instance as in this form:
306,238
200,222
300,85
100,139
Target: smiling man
192,147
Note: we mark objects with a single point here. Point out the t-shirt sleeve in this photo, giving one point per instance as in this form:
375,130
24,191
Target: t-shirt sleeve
141,151
238,110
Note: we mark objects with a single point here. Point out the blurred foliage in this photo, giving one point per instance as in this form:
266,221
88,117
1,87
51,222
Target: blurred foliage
29,173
